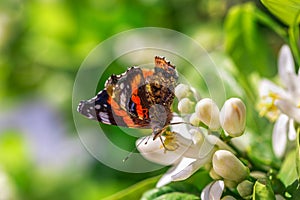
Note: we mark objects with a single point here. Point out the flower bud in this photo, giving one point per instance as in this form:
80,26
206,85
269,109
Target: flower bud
258,174
233,117
182,91
228,197
194,119
230,184
245,188
185,106
229,167
214,175
208,112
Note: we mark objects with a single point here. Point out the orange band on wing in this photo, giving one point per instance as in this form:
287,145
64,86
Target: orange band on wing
136,99
121,113
135,83
147,73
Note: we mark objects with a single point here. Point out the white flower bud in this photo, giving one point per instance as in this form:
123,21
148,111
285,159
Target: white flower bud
214,175
208,112
229,167
182,91
245,188
185,106
233,117
194,119
228,197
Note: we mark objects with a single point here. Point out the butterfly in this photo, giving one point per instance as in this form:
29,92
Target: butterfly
138,98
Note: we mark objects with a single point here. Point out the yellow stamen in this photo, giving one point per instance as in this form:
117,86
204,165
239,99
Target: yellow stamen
268,108
170,142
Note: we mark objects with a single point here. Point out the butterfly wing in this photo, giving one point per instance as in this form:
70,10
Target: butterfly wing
122,102
128,98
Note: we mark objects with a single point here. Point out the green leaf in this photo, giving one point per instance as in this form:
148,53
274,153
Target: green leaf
293,191
287,173
177,196
246,43
175,187
260,152
156,192
135,191
262,190
285,10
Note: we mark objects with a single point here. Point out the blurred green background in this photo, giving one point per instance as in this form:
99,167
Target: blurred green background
42,45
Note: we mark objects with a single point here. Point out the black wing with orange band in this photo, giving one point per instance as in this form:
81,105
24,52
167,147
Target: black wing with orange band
125,99
122,102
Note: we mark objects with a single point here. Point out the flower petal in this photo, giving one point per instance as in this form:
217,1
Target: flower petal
167,177
154,152
182,129
286,70
214,140
289,109
292,131
279,136
243,142
191,168
285,63
213,191
266,87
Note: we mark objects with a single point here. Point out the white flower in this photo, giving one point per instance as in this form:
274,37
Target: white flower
233,117
185,106
193,150
208,112
228,166
182,91
282,104
185,91
194,119
213,190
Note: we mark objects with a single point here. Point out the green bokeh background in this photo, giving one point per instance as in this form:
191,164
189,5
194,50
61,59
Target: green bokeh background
42,45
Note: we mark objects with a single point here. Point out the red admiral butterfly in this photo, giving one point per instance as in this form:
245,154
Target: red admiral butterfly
139,98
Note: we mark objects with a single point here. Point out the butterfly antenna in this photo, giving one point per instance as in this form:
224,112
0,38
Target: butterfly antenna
176,123
135,148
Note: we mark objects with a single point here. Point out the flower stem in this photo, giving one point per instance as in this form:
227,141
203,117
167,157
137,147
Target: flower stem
272,24
294,38
298,153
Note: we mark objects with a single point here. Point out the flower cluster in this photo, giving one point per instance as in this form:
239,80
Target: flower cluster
282,104
200,144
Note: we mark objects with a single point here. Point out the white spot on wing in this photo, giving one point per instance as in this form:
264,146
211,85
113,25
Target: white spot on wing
123,100
97,106
104,117
122,86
